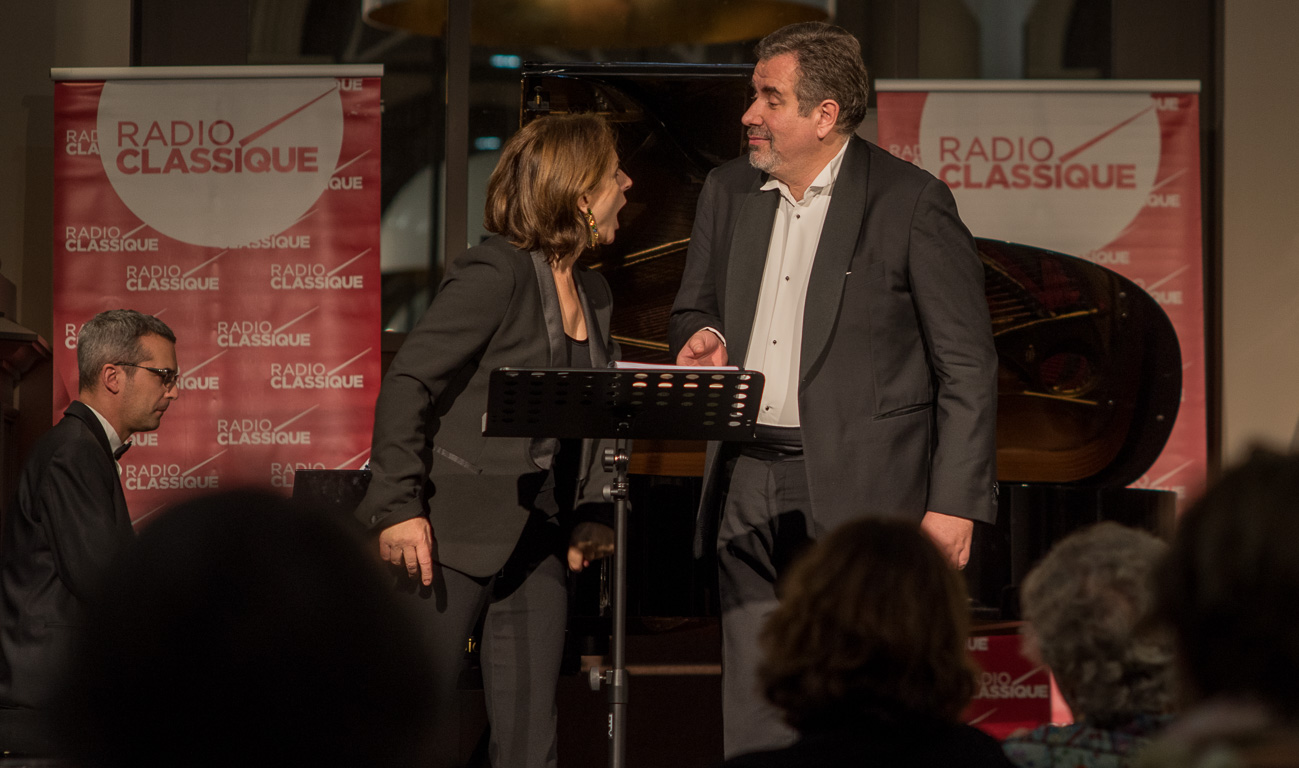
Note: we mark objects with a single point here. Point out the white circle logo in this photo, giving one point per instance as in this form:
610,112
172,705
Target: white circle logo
220,162
1068,172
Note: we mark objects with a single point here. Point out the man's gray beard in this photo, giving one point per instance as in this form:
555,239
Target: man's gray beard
768,162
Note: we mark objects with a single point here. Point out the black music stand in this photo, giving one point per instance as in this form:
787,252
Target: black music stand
623,404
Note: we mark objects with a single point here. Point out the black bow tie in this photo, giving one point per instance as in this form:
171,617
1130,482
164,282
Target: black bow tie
121,449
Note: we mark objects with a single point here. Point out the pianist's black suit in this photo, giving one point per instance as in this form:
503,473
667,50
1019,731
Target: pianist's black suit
67,523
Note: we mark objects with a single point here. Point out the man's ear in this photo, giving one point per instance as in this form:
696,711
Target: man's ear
827,117
112,378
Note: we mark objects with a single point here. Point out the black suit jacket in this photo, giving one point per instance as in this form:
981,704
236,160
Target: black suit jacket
497,307
897,388
67,523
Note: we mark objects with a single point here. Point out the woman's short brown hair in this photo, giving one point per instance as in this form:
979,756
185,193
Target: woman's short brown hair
545,168
872,620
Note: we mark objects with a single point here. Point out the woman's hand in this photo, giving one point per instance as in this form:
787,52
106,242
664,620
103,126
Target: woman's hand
410,543
589,541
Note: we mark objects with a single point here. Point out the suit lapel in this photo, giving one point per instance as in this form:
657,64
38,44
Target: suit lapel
550,308
542,449
745,262
843,222
80,410
595,323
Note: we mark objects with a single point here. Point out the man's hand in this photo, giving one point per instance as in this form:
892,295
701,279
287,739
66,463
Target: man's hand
704,348
590,541
951,535
409,543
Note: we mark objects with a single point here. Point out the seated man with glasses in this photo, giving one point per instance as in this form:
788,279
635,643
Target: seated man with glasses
68,519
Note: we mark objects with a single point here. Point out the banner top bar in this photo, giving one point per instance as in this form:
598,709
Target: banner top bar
1055,86
214,73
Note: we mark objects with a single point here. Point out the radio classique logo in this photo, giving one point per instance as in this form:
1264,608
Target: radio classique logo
315,376
282,471
224,163
1088,161
166,477
262,431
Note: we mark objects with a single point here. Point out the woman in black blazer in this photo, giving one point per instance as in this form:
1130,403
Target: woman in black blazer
481,524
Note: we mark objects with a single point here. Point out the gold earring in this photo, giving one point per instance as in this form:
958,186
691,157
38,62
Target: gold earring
593,237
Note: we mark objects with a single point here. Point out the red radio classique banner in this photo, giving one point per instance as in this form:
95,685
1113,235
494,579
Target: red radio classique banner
1012,694
241,207
1106,171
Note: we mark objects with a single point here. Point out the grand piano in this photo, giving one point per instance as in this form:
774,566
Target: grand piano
1090,368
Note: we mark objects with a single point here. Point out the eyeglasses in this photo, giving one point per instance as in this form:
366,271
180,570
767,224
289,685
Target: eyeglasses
168,375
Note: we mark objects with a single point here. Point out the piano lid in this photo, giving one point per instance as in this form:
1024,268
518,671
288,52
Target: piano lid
1090,374
1090,368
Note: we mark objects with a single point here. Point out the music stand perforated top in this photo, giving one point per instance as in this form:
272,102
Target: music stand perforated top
647,403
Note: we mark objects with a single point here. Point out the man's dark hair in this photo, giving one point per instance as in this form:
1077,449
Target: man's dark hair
114,337
829,67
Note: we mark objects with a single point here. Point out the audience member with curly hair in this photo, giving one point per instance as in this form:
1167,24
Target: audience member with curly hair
1087,608
1228,588
866,655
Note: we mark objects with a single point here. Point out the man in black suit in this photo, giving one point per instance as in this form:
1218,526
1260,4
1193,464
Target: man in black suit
846,277
68,519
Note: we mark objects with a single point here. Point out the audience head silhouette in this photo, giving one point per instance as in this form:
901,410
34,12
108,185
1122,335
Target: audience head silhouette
241,630
1087,608
872,621
1229,582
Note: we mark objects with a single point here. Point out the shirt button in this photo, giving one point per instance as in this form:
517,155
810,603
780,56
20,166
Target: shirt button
786,277
773,341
